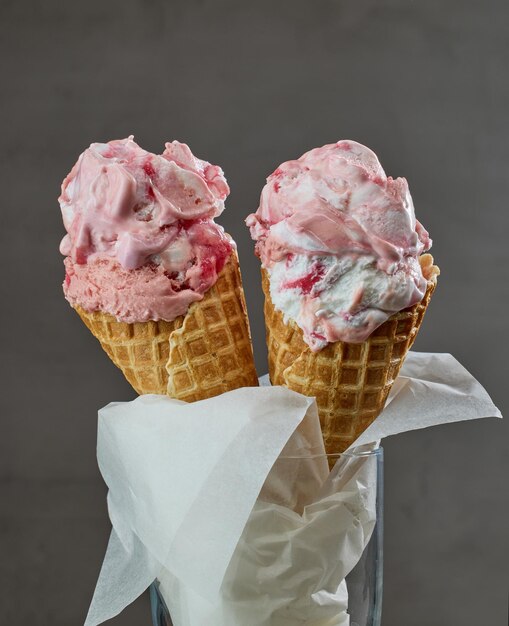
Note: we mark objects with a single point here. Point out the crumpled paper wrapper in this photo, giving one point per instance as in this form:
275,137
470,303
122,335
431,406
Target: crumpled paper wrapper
218,499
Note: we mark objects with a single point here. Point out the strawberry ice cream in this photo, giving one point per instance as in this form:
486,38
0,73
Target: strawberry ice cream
340,243
141,239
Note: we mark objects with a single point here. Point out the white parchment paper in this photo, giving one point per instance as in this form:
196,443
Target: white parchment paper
185,504
183,479
289,566
432,389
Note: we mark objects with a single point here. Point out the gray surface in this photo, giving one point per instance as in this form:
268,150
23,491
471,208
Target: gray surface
249,85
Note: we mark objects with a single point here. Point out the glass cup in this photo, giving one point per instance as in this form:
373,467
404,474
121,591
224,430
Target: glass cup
300,492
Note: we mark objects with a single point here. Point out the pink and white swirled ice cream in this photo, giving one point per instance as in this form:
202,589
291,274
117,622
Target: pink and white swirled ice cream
340,242
141,240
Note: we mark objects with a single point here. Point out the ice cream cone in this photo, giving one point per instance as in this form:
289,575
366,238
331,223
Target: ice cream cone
198,355
350,381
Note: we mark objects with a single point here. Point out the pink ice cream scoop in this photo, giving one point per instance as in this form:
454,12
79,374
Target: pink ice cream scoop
141,240
340,242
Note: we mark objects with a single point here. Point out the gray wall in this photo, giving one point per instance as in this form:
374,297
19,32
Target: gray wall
248,85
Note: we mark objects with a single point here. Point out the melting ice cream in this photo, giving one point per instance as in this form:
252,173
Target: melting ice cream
340,242
141,240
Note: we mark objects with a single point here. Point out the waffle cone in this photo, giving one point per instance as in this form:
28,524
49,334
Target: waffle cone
350,381
198,355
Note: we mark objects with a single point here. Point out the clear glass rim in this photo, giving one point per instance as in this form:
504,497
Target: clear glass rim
353,454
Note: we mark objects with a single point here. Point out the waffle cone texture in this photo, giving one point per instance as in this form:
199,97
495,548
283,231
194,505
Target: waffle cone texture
350,381
198,355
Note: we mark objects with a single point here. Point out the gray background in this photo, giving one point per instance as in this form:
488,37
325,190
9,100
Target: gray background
248,85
